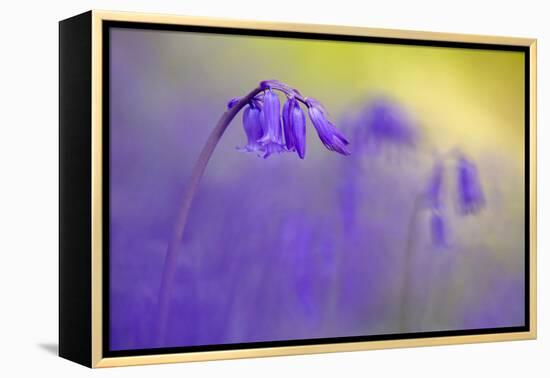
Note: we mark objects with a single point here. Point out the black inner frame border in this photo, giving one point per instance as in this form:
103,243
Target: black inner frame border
106,27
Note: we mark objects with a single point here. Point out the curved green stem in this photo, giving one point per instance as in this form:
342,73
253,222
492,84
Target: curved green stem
170,261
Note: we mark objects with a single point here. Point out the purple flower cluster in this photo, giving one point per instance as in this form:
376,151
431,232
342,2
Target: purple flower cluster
270,130
468,190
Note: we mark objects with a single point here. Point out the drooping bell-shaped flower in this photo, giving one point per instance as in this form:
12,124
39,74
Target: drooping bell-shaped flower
438,230
252,124
434,190
299,129
331,137
287,127
470,193
294,125
385,122
272,140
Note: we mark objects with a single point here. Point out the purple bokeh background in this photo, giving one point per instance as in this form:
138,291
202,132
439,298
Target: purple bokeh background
282,248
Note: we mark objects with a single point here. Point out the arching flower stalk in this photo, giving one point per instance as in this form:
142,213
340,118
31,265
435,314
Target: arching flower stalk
264,131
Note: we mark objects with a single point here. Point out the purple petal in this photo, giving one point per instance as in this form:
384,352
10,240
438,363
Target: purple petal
271,119
333,139
298,129
253,129
271,148
311,102
470,195
287,123
385,122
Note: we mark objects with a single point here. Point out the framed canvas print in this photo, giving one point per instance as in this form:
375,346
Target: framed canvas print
236,189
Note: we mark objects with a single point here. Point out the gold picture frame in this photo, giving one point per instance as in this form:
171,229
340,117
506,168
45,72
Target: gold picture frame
90,329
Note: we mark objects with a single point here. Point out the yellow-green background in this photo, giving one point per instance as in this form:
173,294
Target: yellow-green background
168,90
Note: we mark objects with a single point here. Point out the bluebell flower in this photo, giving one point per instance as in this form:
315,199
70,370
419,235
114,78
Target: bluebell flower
385,122
438,229
252,124
264,100
294,126
272,140
261,113
287,127
470,194
331,137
